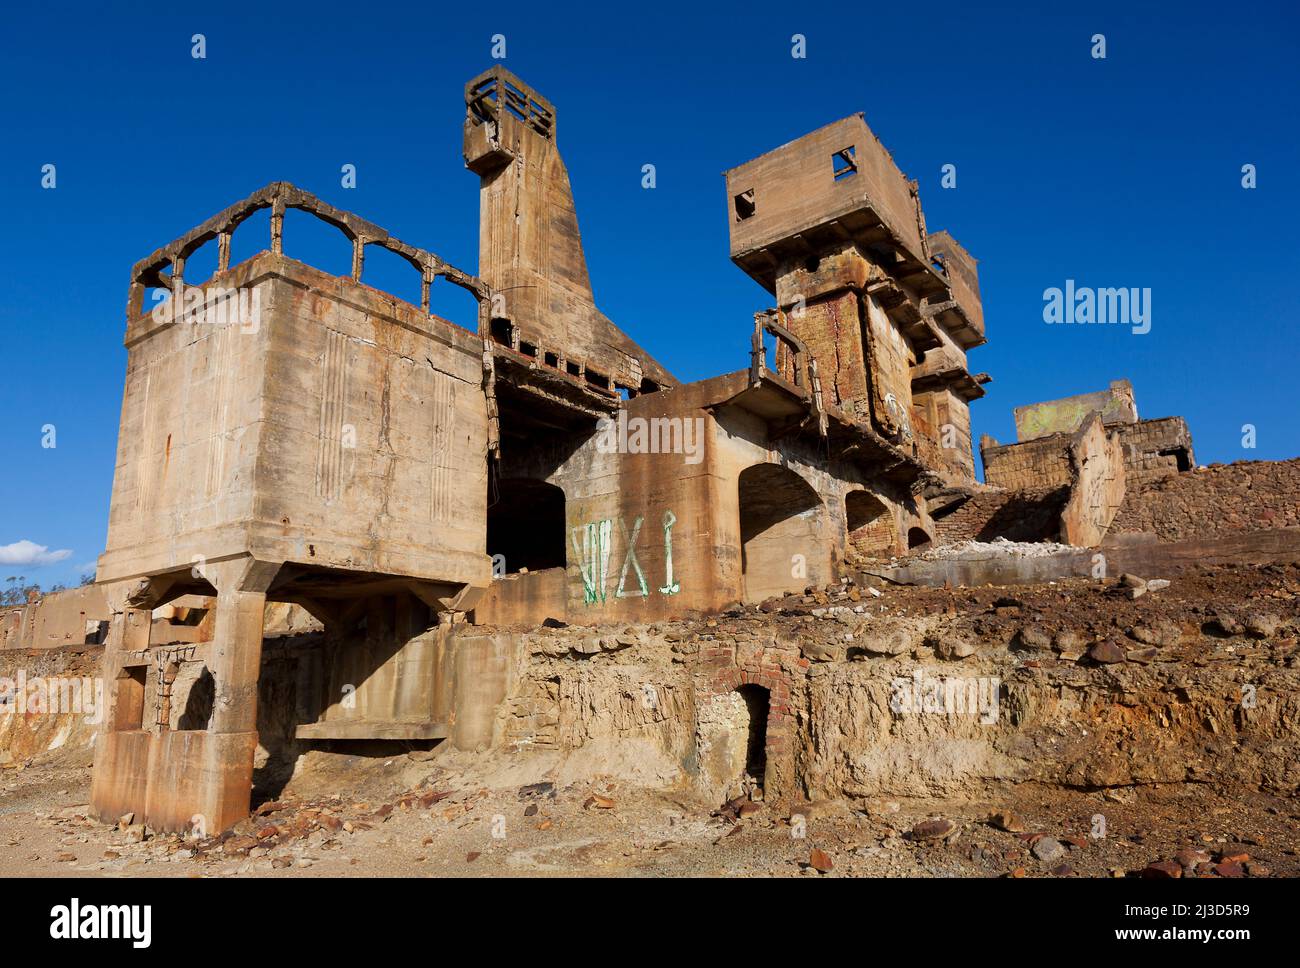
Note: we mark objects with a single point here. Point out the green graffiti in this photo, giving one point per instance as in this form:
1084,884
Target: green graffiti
593,558
630,559
592,545
671,587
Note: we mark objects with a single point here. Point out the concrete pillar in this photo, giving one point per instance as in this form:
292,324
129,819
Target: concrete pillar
235,652
122,748
203,781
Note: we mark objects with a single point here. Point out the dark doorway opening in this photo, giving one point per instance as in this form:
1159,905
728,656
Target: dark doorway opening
757,702
917,539
525,525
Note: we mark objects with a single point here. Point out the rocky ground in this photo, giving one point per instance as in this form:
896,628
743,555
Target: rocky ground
390,824
439,813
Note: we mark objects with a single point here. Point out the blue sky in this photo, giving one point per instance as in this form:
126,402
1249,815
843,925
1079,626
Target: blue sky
1117,172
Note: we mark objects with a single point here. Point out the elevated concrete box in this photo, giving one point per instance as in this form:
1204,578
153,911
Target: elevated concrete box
286,435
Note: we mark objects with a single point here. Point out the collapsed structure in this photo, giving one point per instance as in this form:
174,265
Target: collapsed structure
1151,448
336,448
420,489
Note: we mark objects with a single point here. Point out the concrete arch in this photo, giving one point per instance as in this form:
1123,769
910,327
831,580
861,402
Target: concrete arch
870,527
784,532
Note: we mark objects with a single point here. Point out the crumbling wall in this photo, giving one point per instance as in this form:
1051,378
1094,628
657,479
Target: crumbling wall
1097,463
1151,448
51,701
1156,448
1036,465
1014,515
867,704
1221,499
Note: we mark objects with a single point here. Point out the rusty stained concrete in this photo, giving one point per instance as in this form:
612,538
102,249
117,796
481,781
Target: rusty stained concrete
415,487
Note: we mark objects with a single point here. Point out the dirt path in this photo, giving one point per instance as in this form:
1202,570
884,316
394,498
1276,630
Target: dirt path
443,827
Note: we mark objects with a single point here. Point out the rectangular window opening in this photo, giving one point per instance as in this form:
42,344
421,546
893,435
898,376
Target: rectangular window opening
502,331
844,164
744,205
129,711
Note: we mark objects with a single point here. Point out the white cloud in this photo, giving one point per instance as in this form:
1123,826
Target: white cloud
31,554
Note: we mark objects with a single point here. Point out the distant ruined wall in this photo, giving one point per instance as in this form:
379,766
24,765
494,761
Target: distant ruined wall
1014,515
1151,448
1097,461
1036,465
68,617
1221,499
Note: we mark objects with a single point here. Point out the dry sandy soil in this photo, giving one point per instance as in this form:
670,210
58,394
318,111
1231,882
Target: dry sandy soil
420,822
424,814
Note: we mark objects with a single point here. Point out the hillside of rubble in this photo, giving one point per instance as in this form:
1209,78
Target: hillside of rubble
1143,726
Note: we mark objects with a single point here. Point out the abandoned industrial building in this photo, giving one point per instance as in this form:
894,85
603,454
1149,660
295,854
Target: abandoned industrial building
406,501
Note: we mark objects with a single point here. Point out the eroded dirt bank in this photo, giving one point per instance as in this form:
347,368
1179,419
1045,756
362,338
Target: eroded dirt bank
1121,731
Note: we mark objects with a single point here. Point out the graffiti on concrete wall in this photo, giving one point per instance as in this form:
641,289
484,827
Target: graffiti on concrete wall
593,547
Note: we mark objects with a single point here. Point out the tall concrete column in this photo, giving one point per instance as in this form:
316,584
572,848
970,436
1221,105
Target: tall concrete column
122,749
212,773
235,653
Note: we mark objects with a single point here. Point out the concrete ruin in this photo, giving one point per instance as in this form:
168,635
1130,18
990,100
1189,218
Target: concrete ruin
406,481
300,452
1040,457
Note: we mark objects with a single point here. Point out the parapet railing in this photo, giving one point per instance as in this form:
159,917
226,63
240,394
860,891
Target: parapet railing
498,90
278,196
804,365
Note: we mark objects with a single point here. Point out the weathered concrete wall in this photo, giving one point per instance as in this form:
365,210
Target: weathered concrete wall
794,188
960,267
530,249
941,421
72,616
342,430
651,536
1065,416
1097,463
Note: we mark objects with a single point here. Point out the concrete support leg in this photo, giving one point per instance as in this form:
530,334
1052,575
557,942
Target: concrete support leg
122,748
182,780
202,781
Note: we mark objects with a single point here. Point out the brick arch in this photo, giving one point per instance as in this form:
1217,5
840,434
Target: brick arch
869,523
777,742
